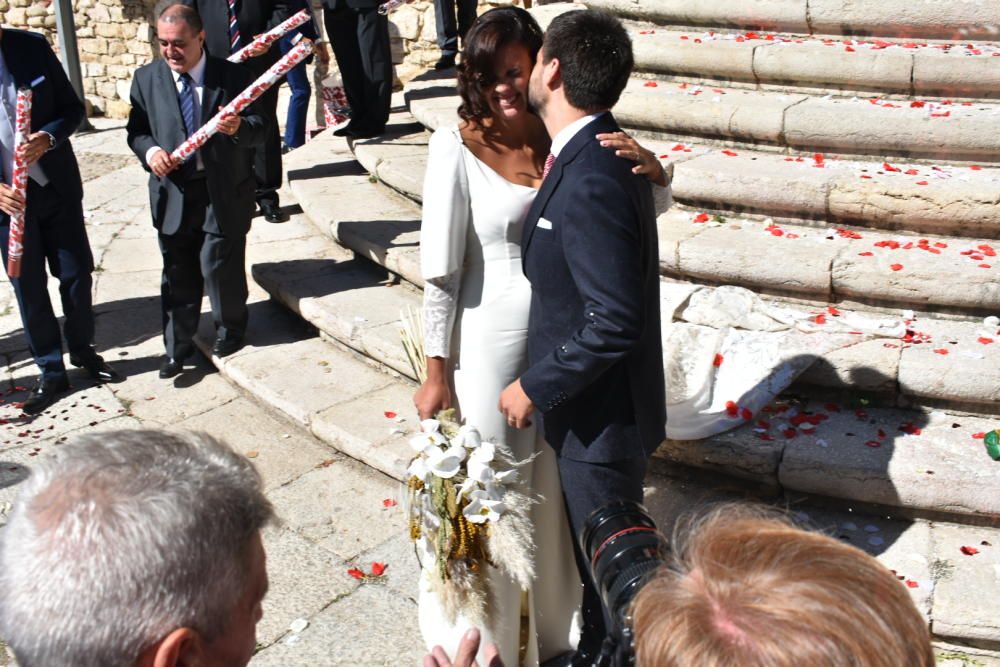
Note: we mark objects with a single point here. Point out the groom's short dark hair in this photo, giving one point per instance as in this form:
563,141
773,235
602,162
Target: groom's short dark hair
595,57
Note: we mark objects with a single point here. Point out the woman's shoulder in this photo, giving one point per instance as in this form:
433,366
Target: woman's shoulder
447,136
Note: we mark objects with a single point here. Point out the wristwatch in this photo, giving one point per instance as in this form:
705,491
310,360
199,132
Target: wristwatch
52,140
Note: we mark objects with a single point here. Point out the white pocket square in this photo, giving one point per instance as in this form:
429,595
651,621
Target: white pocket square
37,81
544,224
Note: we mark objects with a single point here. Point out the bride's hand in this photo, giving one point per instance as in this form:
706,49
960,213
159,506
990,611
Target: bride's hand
625,146
434,394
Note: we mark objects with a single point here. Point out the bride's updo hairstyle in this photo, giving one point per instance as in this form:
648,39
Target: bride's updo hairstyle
492,31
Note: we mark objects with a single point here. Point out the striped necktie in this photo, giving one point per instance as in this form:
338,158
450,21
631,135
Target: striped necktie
234,28
549,161
187,103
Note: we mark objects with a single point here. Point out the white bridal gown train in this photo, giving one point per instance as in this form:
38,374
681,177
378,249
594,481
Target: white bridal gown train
476,303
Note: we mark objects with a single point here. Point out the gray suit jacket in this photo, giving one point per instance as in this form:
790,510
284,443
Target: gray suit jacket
155,120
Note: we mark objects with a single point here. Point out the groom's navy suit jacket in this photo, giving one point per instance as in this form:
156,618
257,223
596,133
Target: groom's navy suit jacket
590,251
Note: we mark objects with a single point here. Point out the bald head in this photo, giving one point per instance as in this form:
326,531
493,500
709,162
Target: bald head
171,11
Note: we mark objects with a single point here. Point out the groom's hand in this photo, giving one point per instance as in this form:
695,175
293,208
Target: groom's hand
515,405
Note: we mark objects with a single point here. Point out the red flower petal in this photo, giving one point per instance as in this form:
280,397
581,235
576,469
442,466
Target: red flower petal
969,551
732,409
378,569
818,159
389,502
866,254
389,414
718,360
820,319
916,104
650,84
701,217
746,414
833,311
984,340
889,167
974,167
896,267
979,436
922,183
984,266
873,444
356,573
942,351
910,583
729,153
789,433
912,172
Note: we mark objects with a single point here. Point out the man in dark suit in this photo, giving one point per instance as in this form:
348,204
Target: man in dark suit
359,36
54,230
202,207
449,30
590,251
229,26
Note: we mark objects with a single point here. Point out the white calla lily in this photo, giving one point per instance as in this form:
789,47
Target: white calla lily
430,426
443,464
467,487
420,442
482,509
479,471
419,470
484,452
468,437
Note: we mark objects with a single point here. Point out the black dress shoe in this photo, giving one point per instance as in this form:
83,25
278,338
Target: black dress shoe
95,366
446,62
223,347
582,657
171,367
272,212
44,395
359,132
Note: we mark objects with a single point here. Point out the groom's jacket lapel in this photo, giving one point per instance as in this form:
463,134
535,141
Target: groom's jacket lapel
603,123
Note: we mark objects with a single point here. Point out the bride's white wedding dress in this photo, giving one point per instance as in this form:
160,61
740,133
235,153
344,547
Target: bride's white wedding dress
476,302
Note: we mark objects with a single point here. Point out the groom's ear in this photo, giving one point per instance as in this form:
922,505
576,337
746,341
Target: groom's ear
552,74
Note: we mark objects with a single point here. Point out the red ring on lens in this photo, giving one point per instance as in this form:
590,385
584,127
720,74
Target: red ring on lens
624,531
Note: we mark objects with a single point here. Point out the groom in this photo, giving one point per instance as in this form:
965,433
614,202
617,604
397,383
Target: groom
590,251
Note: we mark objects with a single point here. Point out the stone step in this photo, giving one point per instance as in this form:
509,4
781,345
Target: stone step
910,19
804,122
788,61
898,195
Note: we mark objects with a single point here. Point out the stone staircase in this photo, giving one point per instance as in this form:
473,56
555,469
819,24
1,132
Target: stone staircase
790,180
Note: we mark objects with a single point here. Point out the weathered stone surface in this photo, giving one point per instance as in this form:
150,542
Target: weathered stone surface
813,62
748,181
762,14
341,635
303,378
360,429
868,366
968,585
728,453
745,253
666,52
960,21
914,276
328,507
859,127
954,365
941,468
965,75
966,203
735,114
674,228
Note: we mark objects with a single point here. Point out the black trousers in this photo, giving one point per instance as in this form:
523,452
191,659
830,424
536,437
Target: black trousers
54,234
267,158
588,487
360,41
197,261
448,32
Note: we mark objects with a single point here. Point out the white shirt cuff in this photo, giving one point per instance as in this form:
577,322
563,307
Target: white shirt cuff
150,153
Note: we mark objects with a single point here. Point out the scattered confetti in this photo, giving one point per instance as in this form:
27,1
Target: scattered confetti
969,551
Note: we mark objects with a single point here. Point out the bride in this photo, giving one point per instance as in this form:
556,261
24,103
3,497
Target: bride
482,176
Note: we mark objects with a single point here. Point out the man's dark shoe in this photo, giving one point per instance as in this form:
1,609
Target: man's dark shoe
223,347
359,132
170,367
95,366
446,62
582,657
44,395
272,212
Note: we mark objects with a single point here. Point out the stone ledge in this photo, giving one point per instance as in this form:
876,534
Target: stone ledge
886,18
788,60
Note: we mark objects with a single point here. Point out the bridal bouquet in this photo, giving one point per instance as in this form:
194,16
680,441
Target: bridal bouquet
466,515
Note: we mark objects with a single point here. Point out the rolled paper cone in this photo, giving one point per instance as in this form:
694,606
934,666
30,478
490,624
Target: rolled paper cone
19,181
387,7
271,36
279,69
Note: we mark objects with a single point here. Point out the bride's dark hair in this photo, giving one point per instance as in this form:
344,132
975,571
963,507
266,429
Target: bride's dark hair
492,31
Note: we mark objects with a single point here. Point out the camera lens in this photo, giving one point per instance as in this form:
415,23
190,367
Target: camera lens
623,546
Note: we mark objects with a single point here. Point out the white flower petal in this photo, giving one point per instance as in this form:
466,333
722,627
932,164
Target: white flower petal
430,426
469,437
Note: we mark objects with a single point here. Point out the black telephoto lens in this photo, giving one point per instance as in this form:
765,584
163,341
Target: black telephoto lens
623,547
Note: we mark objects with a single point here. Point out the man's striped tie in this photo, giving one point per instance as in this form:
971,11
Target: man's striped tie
187,103
549,161
234,28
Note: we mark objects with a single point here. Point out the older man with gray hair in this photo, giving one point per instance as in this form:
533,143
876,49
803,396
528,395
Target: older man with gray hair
135,549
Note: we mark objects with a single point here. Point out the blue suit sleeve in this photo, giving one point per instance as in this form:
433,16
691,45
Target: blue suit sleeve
69,111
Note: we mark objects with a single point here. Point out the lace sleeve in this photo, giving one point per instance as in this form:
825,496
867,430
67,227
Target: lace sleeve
440,304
